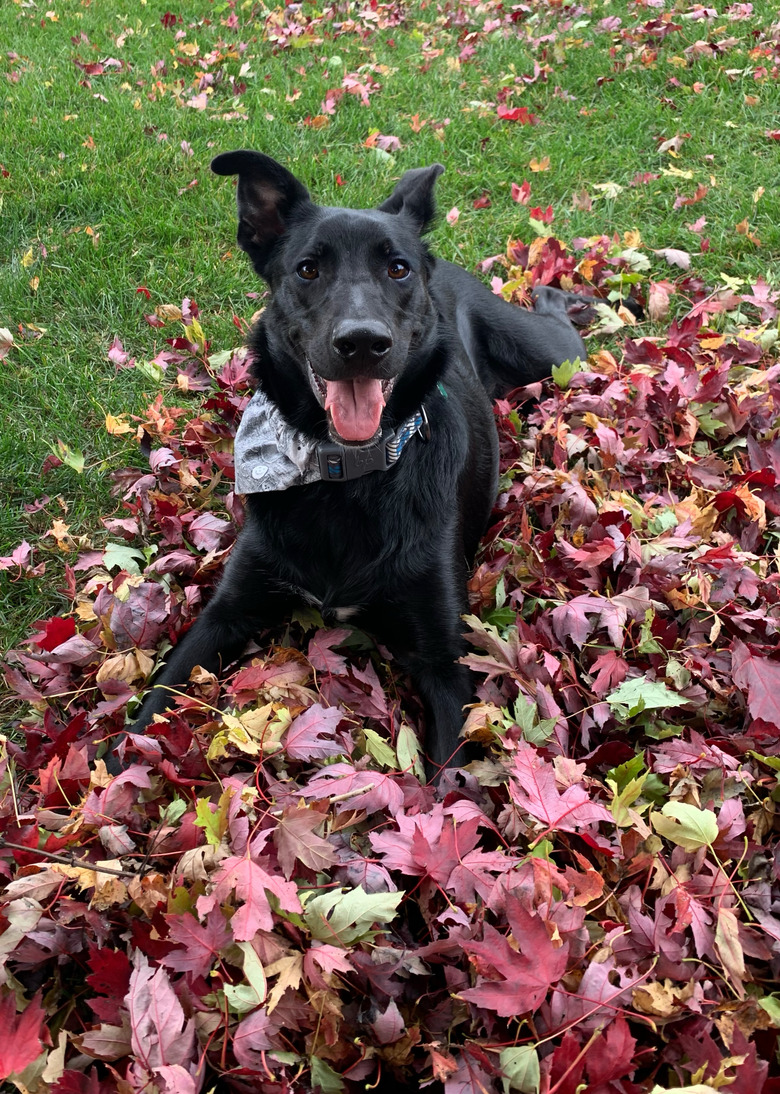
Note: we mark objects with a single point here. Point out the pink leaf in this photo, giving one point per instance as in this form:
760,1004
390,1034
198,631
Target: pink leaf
312,734
250,882
760,678
160,1033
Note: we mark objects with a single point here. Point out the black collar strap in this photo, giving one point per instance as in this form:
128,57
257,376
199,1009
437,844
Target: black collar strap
341,462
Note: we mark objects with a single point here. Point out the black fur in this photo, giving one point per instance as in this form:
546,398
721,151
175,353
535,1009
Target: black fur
398,544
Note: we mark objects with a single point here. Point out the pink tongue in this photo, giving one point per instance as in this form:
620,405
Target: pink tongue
355,406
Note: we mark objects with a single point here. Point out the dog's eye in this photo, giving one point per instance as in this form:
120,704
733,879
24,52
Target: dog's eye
398,269
308,270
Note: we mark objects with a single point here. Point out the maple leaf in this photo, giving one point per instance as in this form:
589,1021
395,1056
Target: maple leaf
201,942
253,1037
347,915
312,735
251,884
356,788
535,791
760,677
24,1035
296,842
440,847
160,1032
522,193
518,981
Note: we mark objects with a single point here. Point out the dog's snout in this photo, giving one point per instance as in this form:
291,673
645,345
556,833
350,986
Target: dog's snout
368,340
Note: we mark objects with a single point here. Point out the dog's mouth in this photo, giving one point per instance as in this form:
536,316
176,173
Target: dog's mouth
354,407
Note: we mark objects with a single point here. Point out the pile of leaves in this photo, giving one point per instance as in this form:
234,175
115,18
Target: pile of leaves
269,898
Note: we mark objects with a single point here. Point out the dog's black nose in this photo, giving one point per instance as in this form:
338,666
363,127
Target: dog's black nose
367,340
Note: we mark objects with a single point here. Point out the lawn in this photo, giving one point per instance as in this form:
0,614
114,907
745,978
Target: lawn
282,906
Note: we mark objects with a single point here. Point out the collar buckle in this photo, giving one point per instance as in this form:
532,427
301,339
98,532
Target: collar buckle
341,462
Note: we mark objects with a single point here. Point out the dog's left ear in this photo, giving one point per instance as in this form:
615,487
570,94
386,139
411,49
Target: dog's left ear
268,195
413,196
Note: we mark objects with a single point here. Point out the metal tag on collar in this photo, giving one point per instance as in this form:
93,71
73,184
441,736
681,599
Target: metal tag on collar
340,462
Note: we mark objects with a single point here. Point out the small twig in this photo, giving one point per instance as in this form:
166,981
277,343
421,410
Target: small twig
68,860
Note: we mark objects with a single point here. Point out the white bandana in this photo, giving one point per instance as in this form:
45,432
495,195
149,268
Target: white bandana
269,454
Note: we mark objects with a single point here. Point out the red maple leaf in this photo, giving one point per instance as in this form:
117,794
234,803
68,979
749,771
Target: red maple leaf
200,943
760,678
512,983
24,1035
296,842
535,790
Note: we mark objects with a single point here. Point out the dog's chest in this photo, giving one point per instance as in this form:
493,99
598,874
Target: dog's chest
341,551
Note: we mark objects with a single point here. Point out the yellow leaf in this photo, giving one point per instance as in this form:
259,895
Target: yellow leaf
27,258
60,531
540,165
729,948
168,311
289,970
119,425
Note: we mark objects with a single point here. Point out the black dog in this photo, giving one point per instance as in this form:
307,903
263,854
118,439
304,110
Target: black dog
369,453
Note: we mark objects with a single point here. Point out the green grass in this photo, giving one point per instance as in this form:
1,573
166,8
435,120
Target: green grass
114,164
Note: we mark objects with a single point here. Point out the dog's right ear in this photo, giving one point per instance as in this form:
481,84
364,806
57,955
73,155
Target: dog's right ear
413,196
268,194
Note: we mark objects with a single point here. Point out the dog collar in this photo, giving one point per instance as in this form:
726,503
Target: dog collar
270,455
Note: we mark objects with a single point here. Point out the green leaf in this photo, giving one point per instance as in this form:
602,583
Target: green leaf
324,1078
501,617
122,557
563,373
213,822
72,457
218,360
150,371
346,915
685,825
624,798
770,761
378,747
241,997
640,694
622,775
407,748
174,811
520,1069
771,1004
254,973
662,521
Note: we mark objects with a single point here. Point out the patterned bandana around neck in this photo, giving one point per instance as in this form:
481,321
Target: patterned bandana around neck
270,455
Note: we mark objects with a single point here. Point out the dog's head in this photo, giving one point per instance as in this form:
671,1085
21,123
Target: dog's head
350,305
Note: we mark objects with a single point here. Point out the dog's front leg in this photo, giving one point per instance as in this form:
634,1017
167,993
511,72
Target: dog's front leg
424,632
247,599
